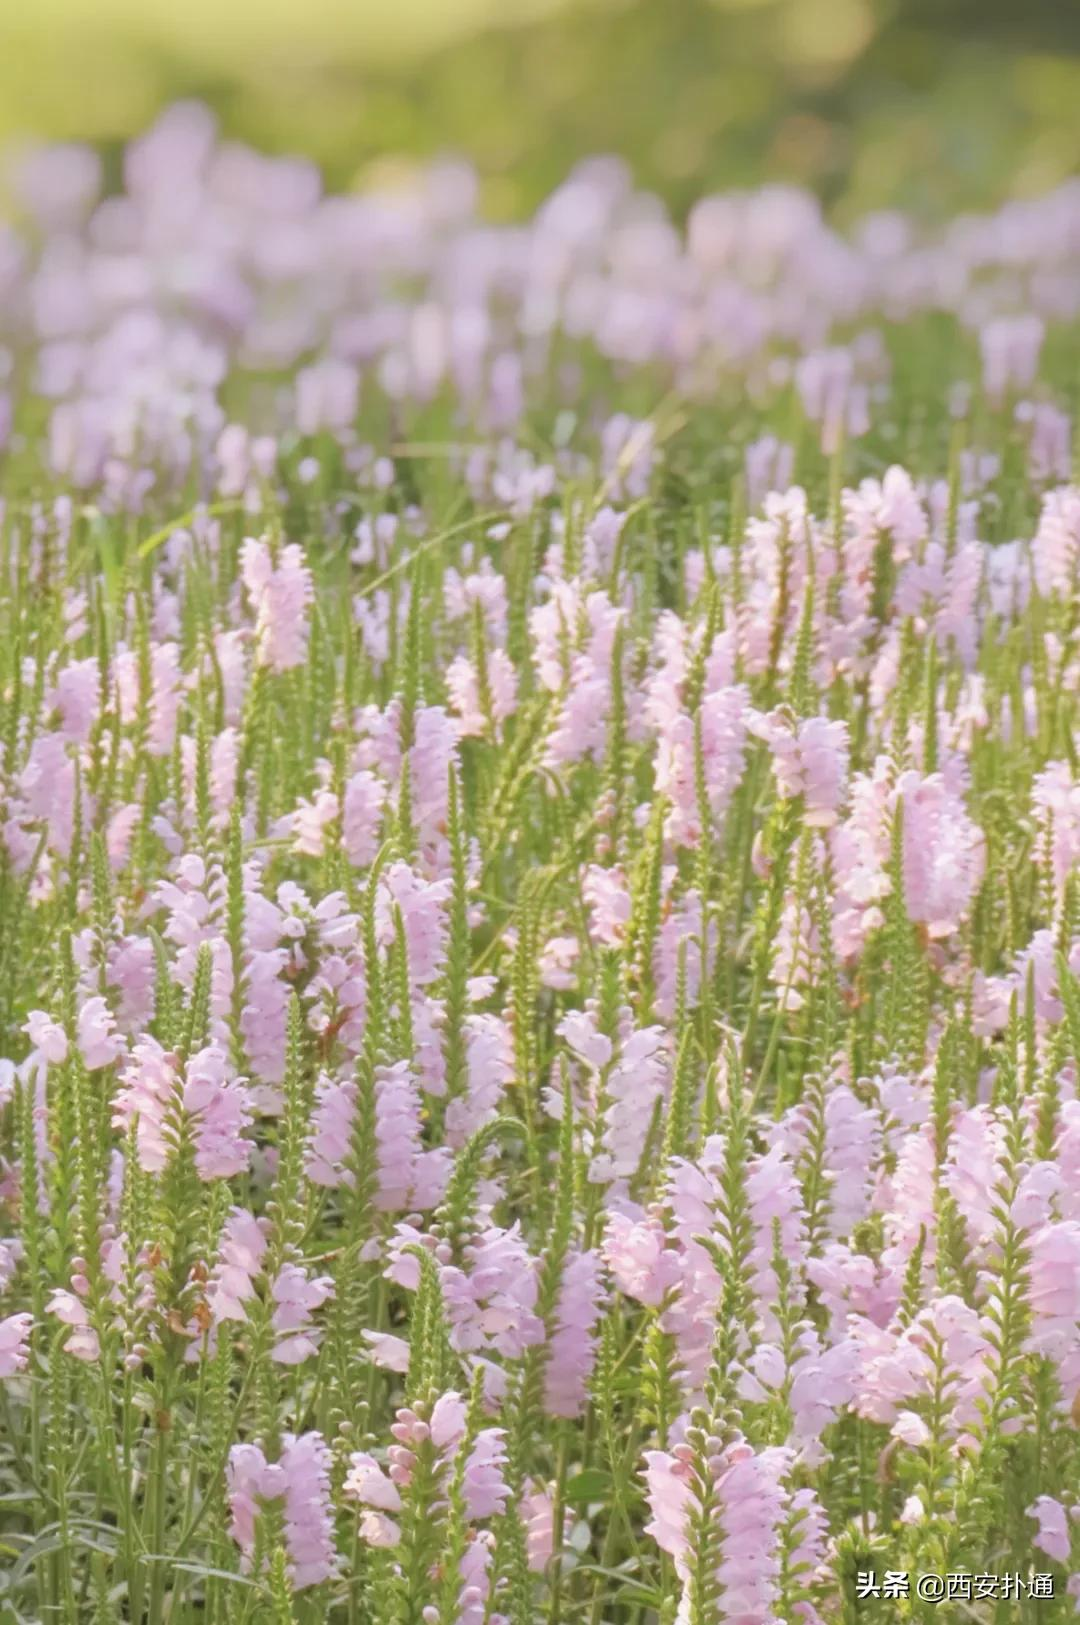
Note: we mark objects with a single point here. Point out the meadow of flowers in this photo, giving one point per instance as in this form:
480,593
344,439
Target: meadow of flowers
539,915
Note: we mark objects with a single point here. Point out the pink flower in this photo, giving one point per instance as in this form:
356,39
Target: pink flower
368,1483
280,594
608,899
249,1480
240,1256
98,1041
489,1059
14,1337
47,1036
76,696
328,1149
388,1352
751,1503
572,1350
71,1311
492,1302
723,741
1053,1534
1056,796
1055,550
944,853
1010,353
423,915
409,1177
635,1252
295,1297
154,1093
463,687
634,1084
302,1479
810,759
362,815
485,1488
309,1522
538,1515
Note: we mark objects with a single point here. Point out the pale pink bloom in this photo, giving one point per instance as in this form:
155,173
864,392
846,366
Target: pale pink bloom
489,1056
1054,1300
14,1338
484,587
491,1303
1010,353
1055,550
448,1419
635,1083
636,1253
1067,1158
327,394
911,1430
579,1030
572,1349
974,1169
751,1505
369,1484
311,820
423,915
76,694
889,507
1049,441
819,1383
669,1489
309,1522
682,924
376,1529
296,1295
280,594
1056,798
944,853
71,1311
581,724
832,395
120,832
388,1352
263,1021
538,1516
485,1487
249,1479
768,465
47,791
463,686
1053,1533
410,1178
852,1143
328,1148
723,718
165,698
47,1036
98,1041
430,757
239,1262
362,816
607,898
810,759
556,963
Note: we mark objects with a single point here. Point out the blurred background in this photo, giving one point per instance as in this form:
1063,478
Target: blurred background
937,105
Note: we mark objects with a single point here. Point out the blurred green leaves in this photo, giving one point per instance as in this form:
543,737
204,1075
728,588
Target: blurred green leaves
932,104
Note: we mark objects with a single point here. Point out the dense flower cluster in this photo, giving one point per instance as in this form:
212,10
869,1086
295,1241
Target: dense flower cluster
539,825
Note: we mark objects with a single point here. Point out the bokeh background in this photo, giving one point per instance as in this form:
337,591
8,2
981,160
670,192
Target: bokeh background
937,105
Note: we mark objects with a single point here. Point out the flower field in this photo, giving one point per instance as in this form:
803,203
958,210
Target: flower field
539,910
